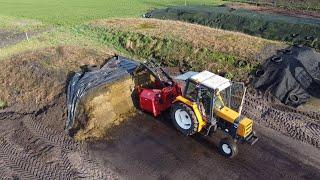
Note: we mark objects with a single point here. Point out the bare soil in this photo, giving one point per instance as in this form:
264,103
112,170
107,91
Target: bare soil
34,145
38,77
148,148
8,38
302,124
275,10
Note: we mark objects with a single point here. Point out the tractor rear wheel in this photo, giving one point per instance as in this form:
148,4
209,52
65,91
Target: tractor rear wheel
184,119
228,148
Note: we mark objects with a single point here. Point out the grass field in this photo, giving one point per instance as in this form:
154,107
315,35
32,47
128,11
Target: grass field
61,12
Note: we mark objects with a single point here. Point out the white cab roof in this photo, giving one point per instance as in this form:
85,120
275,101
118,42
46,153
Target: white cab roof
211,80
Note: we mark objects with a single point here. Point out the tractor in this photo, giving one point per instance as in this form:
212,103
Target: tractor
195,105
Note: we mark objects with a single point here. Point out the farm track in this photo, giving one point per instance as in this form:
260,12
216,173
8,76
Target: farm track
301,125
9,38
31,150
33,145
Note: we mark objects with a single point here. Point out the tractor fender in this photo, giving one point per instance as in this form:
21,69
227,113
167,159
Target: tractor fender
195,109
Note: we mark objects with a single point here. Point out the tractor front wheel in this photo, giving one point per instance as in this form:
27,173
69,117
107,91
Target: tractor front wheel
184,119
228,148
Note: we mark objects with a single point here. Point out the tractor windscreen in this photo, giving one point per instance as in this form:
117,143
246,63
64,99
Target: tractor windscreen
233,95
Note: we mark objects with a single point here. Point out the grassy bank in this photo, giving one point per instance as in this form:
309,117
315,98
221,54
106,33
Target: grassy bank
55,37
192,47
141,39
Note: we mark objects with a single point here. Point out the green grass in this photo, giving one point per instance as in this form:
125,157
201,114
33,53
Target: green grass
19,24
171,52
62,12
66,16
61,36
3,104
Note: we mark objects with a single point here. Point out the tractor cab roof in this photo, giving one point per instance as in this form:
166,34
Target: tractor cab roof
206,78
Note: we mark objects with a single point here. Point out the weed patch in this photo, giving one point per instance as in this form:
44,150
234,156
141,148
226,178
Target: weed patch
171,52
3,104
20,25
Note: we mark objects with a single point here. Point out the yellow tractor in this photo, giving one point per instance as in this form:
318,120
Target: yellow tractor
197,108
201,108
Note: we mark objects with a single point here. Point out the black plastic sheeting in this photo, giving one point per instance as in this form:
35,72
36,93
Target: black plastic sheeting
293,75
82,82
271,26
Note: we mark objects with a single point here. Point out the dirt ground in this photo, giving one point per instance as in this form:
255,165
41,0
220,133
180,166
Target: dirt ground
145,148
8,38
275,10
34,145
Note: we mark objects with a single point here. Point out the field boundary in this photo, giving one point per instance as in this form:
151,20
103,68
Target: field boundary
278,4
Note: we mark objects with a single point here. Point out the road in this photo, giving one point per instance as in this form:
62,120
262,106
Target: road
145,148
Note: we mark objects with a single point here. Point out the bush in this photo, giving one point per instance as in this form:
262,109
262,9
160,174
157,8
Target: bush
275,27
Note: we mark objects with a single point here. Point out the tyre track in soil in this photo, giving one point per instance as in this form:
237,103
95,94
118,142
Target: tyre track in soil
31,150
300,125
26,141
147,148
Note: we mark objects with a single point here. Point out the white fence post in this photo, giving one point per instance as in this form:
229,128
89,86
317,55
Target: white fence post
27,36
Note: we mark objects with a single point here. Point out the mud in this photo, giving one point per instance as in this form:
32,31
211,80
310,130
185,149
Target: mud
301,124
8,38
33,144
148,148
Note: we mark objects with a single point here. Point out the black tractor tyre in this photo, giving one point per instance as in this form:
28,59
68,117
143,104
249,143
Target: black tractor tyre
181,111
228,148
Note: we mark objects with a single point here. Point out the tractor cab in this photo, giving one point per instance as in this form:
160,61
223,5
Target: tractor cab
204,88
208,96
